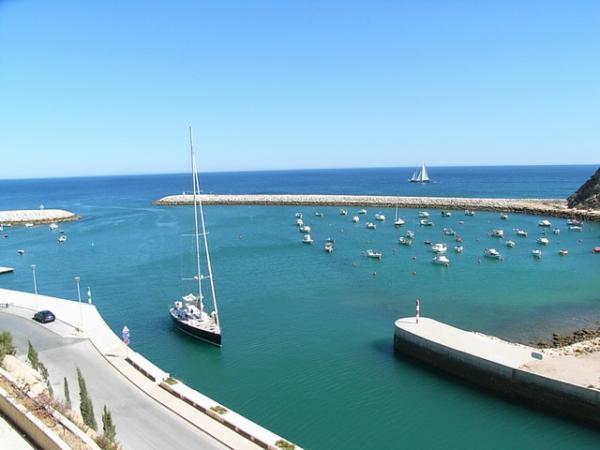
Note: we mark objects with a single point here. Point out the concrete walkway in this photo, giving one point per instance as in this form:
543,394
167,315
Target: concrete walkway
146,415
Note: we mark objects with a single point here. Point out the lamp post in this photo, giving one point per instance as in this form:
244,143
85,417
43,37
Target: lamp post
34,280
79,300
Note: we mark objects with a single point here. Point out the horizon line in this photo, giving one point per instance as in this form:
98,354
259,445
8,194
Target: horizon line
52,177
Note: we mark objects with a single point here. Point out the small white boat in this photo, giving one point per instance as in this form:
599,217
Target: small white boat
573,222
503,216
398,222
521,233
575,228
441,260
446,213
563,252
449,232
423,214
299,222
318,214
439,248
556,231
28,225
356,219
544,223
497,233
410,234
379,217
62,238
371,225
329,247
405,240
536,253
298,215
20,252
53,226
305,229
329,239
374,254
492,253
307,239
459,249
362,211
543,241
510,244
426,222
469,212
343,212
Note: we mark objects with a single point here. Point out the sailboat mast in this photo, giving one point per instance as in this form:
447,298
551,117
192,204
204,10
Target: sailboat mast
196,189
205,241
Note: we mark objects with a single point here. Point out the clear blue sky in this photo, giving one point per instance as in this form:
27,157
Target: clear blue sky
109,87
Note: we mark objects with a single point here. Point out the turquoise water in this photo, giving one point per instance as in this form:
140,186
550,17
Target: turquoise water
308,335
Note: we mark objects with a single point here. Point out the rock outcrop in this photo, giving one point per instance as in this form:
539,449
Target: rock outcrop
588,195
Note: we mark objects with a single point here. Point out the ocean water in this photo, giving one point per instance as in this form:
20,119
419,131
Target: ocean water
308,335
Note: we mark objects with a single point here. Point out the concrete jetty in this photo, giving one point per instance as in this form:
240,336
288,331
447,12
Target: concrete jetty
173,408
544,207
35,216
562,381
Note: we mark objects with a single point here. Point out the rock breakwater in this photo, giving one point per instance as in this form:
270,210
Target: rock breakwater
545,207
36,216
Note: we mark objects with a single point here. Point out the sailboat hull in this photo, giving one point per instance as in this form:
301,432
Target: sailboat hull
198,333
417,181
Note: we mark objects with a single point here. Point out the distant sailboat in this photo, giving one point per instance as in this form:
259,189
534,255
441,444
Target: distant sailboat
420,175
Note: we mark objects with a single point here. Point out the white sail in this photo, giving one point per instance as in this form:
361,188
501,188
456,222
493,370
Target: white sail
414,176
423,177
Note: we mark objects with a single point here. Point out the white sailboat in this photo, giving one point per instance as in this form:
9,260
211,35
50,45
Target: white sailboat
420,175
189,313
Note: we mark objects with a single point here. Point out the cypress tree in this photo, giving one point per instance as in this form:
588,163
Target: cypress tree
46,376
32,356
108,426
67,394
85,403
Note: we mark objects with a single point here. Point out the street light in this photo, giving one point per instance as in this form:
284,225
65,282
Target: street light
79,300
34,280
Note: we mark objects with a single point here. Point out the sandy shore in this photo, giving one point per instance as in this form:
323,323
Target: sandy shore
544,207
35,216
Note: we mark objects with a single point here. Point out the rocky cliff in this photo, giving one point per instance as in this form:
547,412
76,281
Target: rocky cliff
588,195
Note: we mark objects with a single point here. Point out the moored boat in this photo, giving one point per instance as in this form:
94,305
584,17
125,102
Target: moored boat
544,223
343,212
307,239
404,240
441,260
503,216
426,223
459,249
371,226
446,213
374,254
469,212
521,233
536,253
356,219
449,232
497,233
189,313
492,253
575,228
329,247
379,217
543,241
510,244
563,252
423,214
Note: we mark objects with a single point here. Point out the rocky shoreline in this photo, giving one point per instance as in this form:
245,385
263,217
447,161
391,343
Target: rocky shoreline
543,207
578,336
36,216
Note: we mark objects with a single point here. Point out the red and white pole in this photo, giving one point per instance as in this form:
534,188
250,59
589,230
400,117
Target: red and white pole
417,313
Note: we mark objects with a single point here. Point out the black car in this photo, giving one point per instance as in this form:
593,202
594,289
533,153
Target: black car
44,316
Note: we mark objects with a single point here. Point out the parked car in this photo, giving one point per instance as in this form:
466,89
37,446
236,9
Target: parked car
44,316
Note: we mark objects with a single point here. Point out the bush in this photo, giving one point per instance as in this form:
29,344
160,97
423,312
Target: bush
108,426
67,395
6,345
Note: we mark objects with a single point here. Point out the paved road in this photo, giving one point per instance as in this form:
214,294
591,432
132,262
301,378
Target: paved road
141,422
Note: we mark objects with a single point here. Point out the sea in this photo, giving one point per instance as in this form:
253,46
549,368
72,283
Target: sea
308,336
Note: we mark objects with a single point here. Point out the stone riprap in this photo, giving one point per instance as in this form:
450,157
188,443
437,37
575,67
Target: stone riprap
543,207
35,216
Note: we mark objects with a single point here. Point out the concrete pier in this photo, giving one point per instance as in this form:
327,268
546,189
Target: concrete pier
544,207
35,216
562,381
160,412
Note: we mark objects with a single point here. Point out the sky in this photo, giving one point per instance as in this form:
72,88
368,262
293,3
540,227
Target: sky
110,87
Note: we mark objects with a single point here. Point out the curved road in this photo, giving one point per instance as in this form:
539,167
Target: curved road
141,422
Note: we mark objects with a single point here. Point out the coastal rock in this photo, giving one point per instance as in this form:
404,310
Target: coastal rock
588,195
